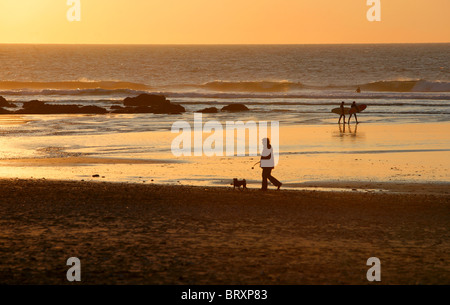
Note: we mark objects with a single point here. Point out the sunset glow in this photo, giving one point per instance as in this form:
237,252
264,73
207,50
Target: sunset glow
224,22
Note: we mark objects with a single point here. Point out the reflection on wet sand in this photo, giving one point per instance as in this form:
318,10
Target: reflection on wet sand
383,153
348,130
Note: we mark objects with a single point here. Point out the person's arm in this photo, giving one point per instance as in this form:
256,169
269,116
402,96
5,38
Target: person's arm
268,155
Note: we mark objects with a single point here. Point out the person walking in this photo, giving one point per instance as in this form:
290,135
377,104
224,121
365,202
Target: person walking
342,112
267,164
353,111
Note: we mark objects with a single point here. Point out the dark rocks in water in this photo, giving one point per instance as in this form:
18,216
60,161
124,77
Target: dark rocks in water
5,103
39,107
93,110
144,103
157,103
209,110
146,100
235,108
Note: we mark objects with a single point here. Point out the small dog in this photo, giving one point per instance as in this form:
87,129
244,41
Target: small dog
237,183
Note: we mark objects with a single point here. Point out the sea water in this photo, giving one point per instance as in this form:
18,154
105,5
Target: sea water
297,85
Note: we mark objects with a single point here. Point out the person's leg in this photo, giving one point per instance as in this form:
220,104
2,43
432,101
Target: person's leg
356,119
349,118
272,179
264,178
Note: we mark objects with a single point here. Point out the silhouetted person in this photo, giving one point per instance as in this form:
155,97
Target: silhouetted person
267,165
342,112
353,111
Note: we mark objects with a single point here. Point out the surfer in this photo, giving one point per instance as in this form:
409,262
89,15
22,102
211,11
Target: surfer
353,111
267,165
342,113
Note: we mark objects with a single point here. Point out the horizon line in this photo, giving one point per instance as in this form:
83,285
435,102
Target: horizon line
221,44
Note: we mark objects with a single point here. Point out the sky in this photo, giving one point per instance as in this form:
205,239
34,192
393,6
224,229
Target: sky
224,22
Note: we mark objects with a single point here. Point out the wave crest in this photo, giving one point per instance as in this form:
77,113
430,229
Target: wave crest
408,86
251,86
72,85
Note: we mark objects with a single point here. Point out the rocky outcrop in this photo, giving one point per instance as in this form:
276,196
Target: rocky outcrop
5,103
209,110
157,104
151,100
235,108
39,107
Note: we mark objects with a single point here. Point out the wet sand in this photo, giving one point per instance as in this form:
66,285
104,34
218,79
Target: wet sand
154,234
76,161
309,153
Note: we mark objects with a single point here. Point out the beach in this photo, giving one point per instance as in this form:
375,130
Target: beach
90,163
161,234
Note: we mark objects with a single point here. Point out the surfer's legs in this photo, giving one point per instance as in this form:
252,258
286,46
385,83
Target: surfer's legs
349,118
356,119
342,116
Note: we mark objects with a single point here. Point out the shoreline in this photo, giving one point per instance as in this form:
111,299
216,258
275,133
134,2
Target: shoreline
127,233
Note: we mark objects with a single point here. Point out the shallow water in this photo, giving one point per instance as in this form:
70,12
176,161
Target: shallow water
367,152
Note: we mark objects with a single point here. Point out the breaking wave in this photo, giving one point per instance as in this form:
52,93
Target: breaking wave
72,85
287,86
408,86
251,86
408,89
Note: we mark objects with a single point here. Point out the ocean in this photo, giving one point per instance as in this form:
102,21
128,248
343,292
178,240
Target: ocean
297,85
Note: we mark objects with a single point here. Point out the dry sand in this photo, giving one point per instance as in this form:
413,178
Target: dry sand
152,234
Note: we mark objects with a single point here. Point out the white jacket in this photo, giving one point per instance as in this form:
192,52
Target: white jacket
267,162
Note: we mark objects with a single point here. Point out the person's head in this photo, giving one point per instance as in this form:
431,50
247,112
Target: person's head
354,103
342,103
266,143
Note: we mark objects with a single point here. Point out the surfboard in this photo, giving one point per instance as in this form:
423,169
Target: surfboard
348,110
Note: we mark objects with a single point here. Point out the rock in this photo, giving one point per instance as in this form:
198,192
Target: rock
5,103
235,108
209,110
39,107
146,100
93,110
95,176
33,104
157,103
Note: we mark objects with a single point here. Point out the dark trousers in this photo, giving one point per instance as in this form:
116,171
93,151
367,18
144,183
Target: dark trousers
267,174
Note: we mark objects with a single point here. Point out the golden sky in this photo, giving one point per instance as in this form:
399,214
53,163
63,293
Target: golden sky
224,21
